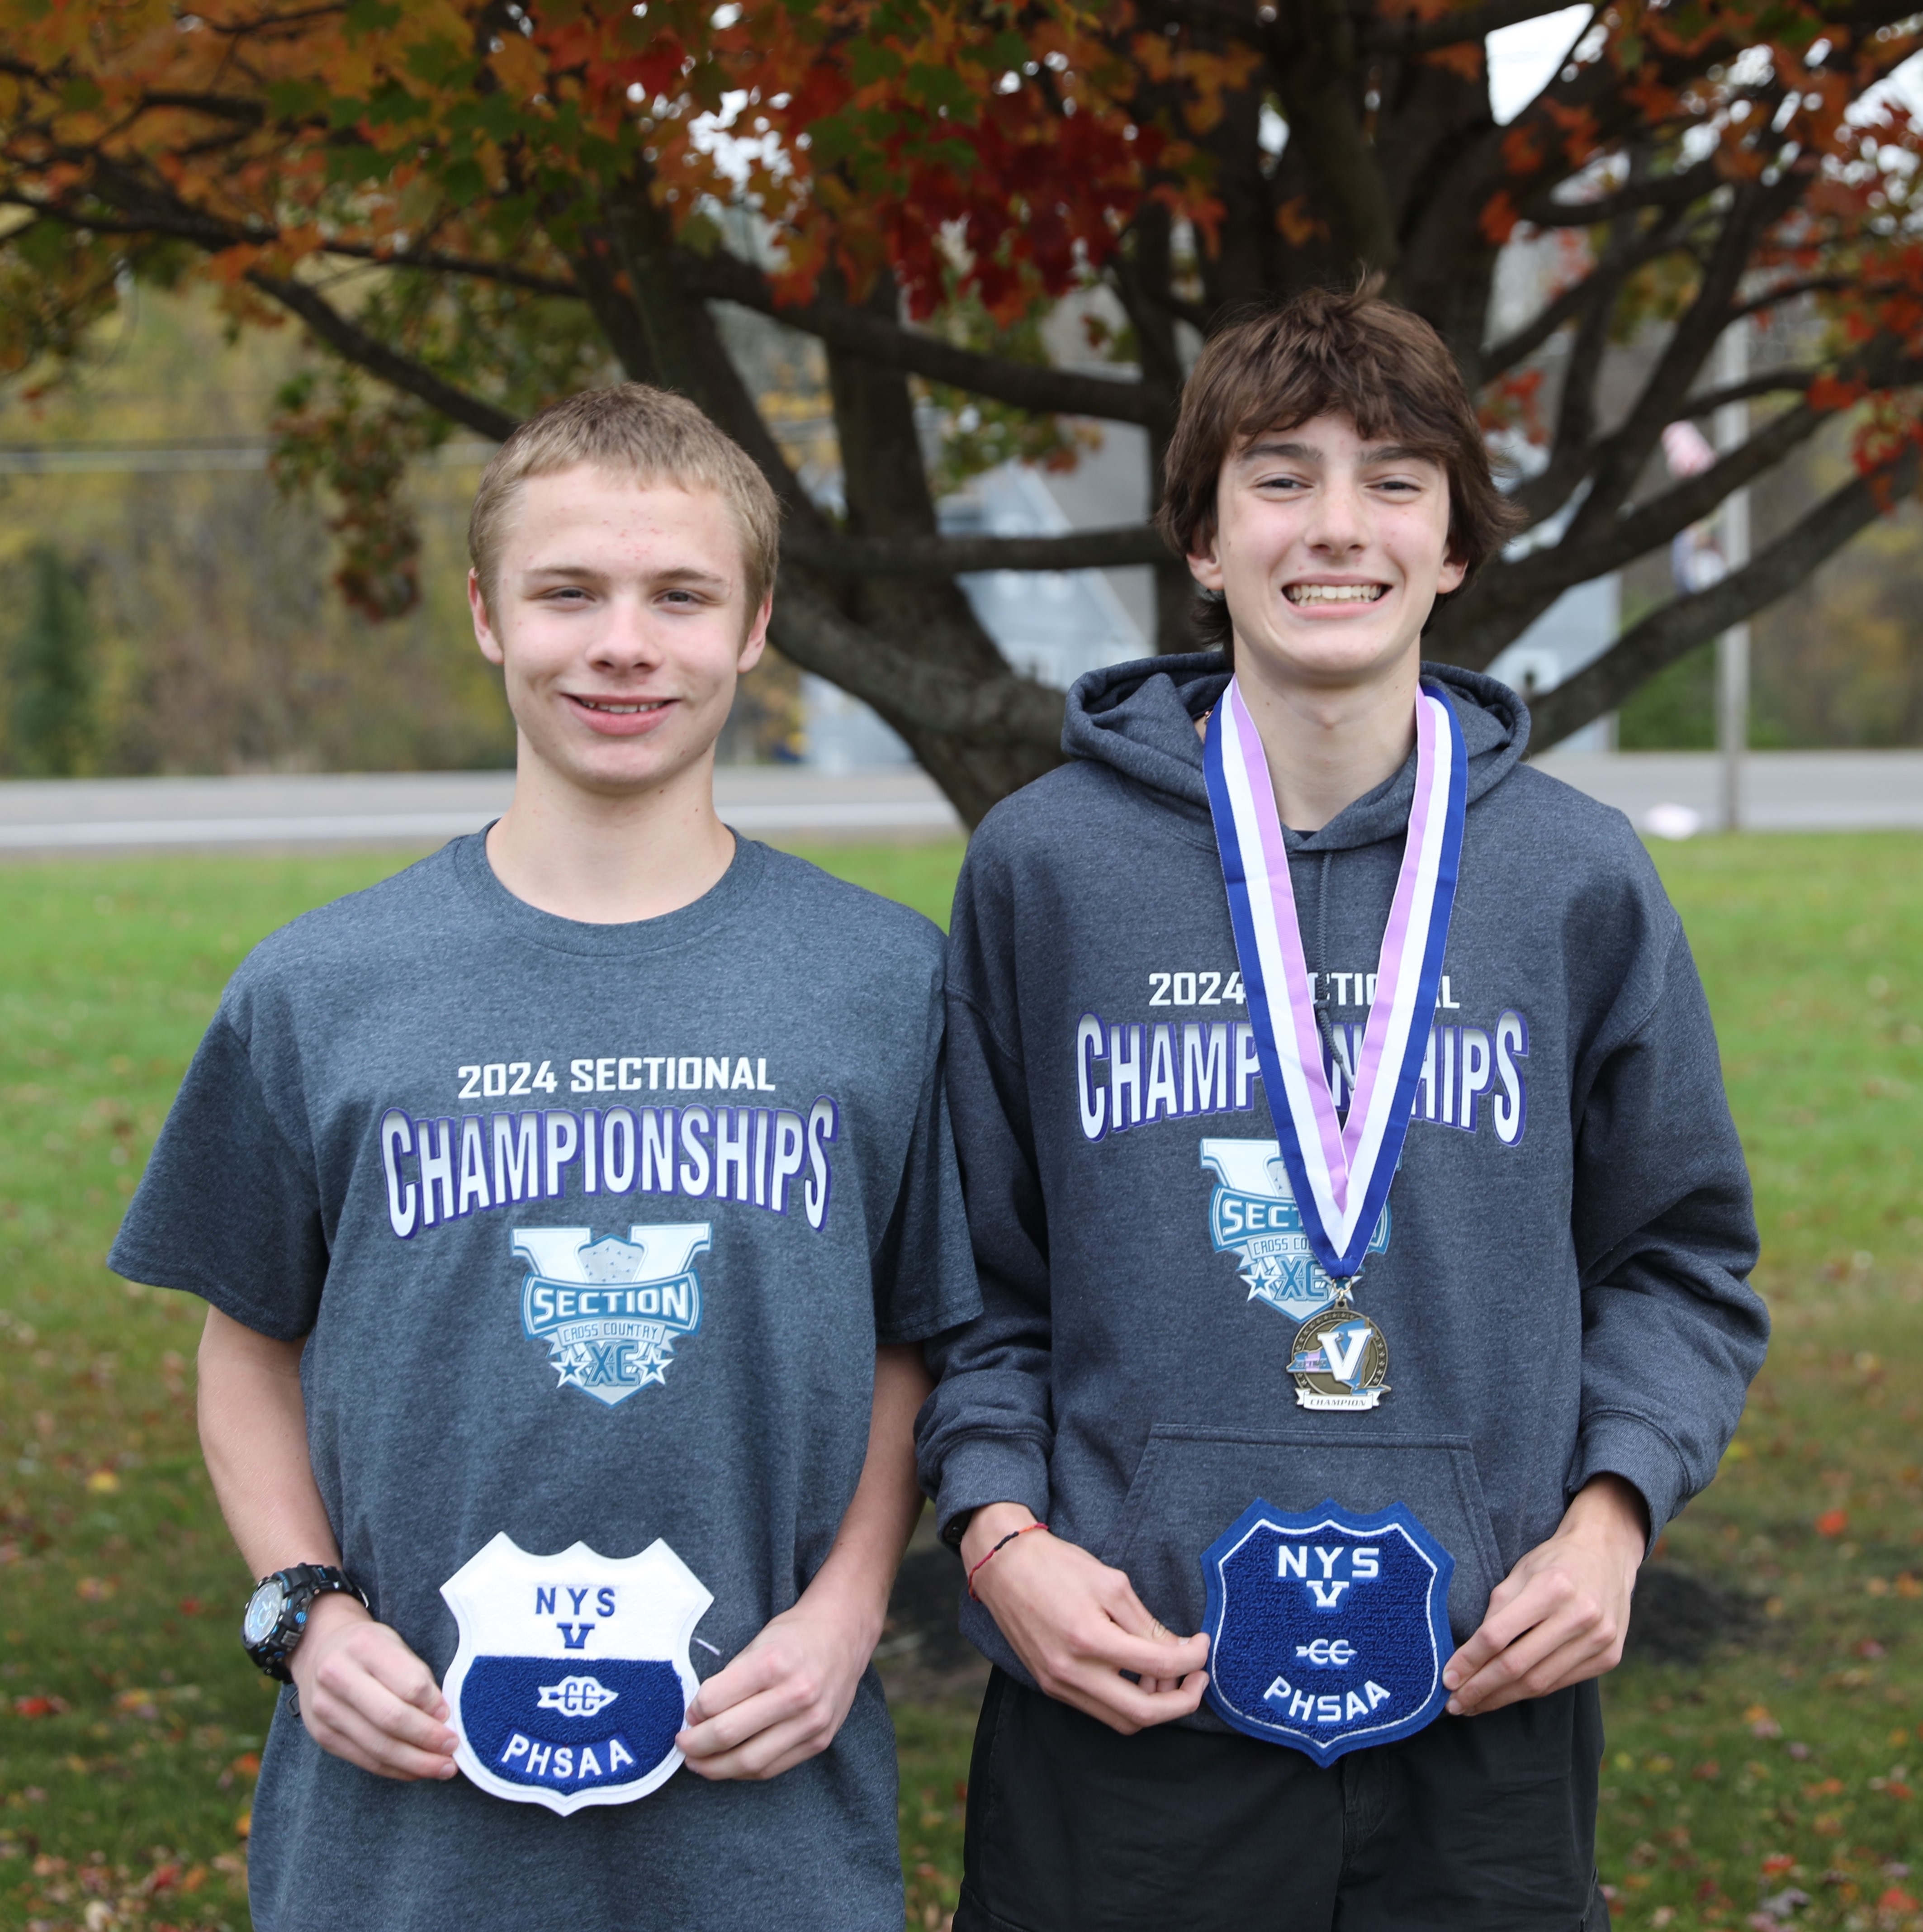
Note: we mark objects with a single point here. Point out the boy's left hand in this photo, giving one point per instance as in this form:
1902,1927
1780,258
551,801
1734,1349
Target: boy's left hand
782,1700
1560,1616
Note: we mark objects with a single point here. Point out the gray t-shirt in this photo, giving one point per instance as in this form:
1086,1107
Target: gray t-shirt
593,1232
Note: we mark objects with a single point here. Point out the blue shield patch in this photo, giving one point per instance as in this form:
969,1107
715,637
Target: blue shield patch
572,1675
1327,1630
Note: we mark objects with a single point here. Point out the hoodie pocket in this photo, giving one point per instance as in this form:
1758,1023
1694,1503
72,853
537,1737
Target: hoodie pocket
1192,1482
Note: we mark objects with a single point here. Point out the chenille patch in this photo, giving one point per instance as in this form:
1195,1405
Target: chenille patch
572,1676
1327,1630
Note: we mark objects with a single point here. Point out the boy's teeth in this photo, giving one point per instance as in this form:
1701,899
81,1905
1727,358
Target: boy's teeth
1333,593
618,710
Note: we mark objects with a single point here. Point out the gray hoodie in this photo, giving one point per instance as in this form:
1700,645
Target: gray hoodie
1560,1276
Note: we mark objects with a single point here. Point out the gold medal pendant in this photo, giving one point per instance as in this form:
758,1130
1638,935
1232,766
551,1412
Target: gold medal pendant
1341,1359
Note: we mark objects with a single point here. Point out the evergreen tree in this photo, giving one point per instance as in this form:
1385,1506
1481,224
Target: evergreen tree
50,688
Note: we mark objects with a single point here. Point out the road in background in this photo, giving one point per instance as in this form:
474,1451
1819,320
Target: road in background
41,817
1784,791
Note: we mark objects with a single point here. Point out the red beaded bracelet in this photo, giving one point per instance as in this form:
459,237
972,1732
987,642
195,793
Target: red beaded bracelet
1002,1545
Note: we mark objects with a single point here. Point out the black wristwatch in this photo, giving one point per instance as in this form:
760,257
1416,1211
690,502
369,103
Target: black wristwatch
277,1612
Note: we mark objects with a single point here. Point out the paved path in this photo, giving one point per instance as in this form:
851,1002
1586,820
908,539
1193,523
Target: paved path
1785,791
43,816
1782,791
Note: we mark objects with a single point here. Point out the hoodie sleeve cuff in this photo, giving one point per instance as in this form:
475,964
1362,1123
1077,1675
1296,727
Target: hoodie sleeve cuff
984,1469
1627,1446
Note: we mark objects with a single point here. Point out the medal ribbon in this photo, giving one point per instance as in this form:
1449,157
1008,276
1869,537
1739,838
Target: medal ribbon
1340,1172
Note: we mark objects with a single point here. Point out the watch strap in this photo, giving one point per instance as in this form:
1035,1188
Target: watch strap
302,1582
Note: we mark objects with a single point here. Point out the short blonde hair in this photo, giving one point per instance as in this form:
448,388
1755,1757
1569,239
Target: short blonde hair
647,434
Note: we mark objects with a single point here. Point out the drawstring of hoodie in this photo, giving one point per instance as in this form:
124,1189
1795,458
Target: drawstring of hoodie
1324,1025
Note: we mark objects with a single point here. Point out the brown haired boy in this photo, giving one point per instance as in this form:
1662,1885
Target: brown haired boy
1361,1228
570,1208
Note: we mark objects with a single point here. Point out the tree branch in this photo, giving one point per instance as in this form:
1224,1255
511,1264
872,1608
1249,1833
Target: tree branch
1680,625
1402,38
991,711
1671,190
1508,598
1601,280
1027,386
1112,548
1319,101
348,339
1751,211
474,267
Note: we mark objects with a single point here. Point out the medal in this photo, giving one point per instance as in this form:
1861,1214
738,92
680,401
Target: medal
1340,1360
1341,1170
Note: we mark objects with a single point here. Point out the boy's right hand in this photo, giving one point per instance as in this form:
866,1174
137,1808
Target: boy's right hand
1077,1625
366,1697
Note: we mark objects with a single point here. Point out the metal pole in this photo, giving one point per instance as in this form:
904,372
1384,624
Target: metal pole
1732,428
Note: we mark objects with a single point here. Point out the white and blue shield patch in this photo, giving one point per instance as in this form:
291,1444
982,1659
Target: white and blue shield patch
1327,1630
610,1311
572,1674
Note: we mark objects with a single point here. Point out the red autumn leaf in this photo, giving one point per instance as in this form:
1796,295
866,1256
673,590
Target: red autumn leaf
1465,58
1828,392
1500,216
1832,1522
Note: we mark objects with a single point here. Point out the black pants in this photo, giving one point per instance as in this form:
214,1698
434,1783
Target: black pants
1476,1824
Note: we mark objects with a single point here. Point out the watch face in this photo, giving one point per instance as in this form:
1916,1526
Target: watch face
263,1612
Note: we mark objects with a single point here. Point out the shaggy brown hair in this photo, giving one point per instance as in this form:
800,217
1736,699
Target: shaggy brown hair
1327,353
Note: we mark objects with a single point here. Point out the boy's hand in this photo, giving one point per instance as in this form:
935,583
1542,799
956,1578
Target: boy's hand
783,1699
1560,1616
1078,1624
365,1696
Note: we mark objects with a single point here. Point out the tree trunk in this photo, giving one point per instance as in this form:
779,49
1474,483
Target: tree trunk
885,486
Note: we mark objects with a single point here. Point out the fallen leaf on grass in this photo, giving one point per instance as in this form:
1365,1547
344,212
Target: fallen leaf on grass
102,1483
1832,1522
38,1707
95,1589
243,1825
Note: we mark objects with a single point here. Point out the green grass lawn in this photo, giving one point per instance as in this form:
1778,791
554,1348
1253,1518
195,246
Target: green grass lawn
1782,1770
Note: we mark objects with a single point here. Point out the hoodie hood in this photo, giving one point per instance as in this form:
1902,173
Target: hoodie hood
1140,719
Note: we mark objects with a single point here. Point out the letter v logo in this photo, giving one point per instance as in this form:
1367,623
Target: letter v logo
1344,1346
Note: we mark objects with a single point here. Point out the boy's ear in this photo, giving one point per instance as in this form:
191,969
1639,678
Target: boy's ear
755,642
1451,578
1203,567
484,629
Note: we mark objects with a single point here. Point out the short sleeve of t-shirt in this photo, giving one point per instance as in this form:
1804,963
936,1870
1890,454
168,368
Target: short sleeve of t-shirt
227,1209
925,1268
